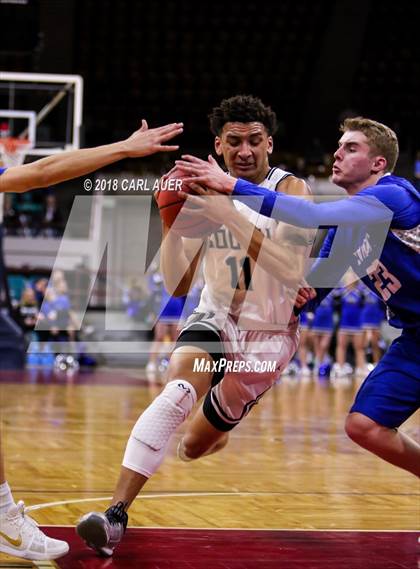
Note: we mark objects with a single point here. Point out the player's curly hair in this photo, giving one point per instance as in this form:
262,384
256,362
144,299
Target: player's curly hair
242,108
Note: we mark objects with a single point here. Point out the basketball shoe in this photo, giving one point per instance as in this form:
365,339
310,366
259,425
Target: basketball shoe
20,536
103,532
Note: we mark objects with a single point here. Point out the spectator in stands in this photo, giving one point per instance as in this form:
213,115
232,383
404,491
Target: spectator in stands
57,278
136,302
28,310
47,320
62,306
51,224
10,217
28,207
40,287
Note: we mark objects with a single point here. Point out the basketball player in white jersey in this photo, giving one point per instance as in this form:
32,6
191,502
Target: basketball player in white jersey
19,534
244,316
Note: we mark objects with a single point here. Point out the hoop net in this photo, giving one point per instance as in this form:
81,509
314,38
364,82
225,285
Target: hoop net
13,151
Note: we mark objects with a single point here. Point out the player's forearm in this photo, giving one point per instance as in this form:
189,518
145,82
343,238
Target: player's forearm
356,210
61,167
177,270
278,260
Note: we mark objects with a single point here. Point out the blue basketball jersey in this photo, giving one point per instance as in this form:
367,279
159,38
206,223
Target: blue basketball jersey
391,392
391,270
397,274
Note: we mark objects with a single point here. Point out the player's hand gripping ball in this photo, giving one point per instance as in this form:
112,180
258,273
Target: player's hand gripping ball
173,213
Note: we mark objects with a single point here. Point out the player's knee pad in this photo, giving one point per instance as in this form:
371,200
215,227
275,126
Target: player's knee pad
148,443
172,406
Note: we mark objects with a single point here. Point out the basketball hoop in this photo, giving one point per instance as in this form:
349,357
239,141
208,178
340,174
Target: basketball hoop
13,151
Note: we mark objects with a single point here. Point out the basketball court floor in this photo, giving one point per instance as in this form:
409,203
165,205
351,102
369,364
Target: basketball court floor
289,491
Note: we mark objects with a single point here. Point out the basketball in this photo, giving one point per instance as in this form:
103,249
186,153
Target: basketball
173,213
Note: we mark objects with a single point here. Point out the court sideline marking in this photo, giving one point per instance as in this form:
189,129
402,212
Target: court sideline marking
205,495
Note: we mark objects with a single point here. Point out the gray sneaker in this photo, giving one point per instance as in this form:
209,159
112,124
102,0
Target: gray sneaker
103,531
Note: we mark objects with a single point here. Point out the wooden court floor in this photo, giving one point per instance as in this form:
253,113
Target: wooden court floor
289,465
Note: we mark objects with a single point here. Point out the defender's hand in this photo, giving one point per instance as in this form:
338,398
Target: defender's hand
147,141
208,203
206,173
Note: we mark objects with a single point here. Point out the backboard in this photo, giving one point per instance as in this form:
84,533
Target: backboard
45,108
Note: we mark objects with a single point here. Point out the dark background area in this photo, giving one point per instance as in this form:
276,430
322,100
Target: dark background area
313,62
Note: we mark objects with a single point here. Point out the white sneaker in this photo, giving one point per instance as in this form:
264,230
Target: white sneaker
348,370
338,372
305,371
20,536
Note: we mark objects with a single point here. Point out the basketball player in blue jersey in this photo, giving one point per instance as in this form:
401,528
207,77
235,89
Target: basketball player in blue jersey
364,162
19,534
235,320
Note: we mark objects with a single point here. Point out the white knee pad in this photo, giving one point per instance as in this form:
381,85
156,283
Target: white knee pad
150,436
165,414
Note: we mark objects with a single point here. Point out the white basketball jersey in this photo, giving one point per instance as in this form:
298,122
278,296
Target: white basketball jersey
255,302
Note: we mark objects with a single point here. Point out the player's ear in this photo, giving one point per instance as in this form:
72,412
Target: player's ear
270,145
218,146
379,163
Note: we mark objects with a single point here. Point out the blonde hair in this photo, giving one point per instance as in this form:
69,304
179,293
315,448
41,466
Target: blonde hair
381,139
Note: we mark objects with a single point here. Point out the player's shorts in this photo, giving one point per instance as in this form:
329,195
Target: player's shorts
323,321
391,392
250,361
372,318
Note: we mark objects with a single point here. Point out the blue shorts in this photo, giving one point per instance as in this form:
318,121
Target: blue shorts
391,392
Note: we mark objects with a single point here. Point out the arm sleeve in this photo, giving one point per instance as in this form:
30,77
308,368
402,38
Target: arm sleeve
359,209
403,204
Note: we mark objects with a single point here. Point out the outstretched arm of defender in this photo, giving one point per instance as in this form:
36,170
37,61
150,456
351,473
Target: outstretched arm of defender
61,167
286,263
351,211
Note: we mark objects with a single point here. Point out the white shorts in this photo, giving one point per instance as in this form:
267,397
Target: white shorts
248,364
